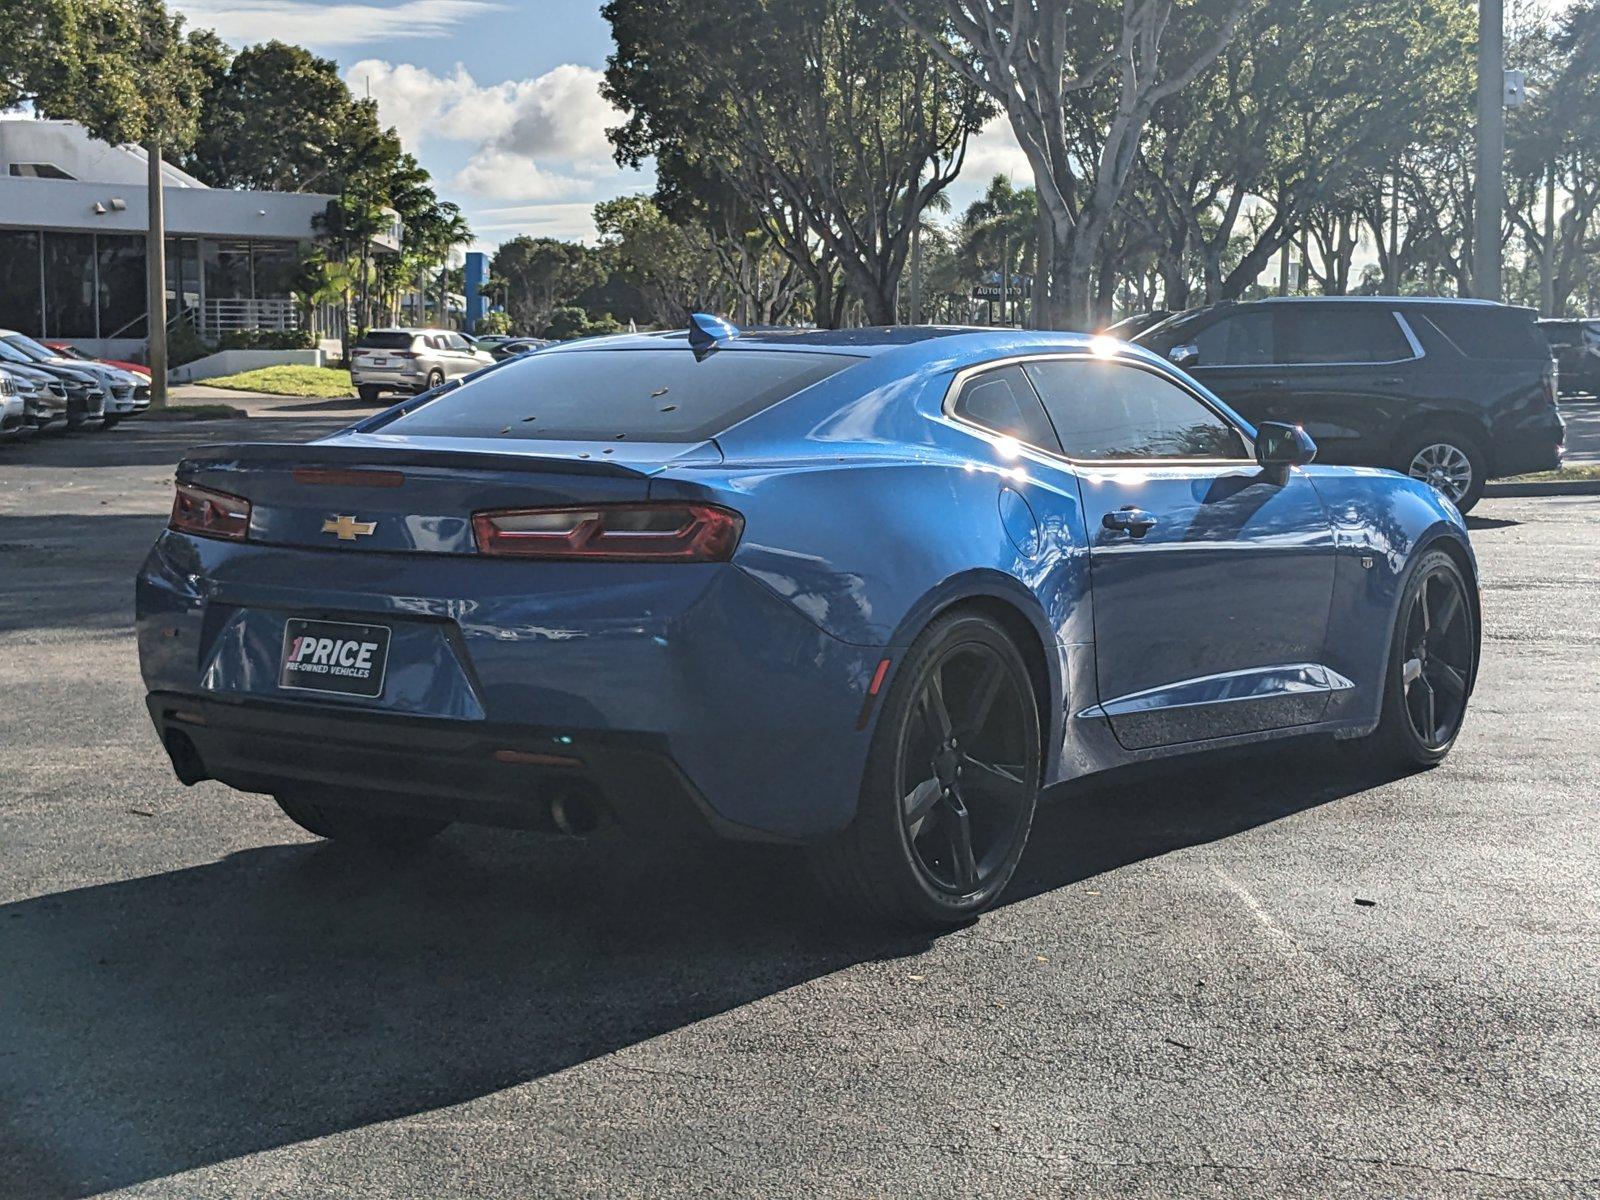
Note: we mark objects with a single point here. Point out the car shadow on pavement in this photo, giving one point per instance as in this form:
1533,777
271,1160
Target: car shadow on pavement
289,992
1476,523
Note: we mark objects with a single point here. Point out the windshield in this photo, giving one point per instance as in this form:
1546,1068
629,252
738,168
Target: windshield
10,353
386,339
1164,335
607,395
28,347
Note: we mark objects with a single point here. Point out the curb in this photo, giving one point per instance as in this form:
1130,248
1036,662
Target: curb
1575,487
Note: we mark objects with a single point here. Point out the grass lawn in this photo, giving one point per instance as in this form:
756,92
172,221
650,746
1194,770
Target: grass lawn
319,382
1586,472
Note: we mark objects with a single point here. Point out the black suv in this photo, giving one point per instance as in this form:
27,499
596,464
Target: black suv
1456,392
1576,345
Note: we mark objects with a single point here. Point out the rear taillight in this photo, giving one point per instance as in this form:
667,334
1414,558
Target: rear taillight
1552,383
209,514
666,532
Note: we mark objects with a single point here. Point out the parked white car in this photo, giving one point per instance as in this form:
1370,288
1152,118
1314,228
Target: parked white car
411,360
125,392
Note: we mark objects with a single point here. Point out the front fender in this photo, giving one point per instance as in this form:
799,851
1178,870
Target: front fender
1382,521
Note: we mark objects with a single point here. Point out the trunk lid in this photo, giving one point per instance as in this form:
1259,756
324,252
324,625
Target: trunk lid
367,493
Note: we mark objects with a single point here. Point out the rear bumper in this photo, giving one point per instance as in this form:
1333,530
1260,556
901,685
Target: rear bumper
394,380
485,774
723,691
1534,445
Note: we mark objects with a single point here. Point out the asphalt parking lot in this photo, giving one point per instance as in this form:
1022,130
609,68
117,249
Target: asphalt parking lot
1273,976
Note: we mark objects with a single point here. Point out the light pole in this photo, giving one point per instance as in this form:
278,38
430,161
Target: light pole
1489,195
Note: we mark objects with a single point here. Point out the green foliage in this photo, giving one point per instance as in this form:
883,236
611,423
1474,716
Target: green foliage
267,339
540,275
277,118
184,345
121,67
831,121
569,321
495,322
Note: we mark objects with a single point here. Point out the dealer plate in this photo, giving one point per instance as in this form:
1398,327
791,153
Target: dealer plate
334,656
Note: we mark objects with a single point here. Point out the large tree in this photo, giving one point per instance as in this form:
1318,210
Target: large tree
835,124
542,274
277,118
1294,127
1079,80
1554,155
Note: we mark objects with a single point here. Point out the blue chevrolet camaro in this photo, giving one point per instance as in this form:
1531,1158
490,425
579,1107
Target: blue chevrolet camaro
865,591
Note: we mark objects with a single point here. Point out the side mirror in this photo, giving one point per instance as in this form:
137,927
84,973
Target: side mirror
1280,446
1186,355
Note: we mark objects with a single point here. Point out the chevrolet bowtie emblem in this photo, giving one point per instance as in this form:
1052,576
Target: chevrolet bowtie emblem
348,529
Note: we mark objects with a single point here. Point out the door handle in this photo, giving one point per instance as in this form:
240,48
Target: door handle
1134,522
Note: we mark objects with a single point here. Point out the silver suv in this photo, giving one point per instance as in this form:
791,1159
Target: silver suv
411,360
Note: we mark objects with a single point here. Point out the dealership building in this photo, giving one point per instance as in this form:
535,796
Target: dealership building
73,211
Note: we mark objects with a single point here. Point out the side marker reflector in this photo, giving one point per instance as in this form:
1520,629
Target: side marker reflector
872,693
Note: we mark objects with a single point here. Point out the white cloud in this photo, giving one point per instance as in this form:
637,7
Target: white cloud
571,221
992,151
504,175
324,26
534,139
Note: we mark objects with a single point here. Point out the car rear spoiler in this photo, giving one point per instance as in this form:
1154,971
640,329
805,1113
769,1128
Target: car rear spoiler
571,459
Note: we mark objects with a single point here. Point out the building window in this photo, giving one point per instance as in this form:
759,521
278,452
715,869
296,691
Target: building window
227,268
38,171
69,290
19,280
122,285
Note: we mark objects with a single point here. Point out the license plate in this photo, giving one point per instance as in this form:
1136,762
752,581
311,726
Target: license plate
334,656
378,362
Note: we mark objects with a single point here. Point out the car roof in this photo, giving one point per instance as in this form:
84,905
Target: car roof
862,342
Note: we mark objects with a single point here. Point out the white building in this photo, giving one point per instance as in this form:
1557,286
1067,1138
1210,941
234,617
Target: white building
72,265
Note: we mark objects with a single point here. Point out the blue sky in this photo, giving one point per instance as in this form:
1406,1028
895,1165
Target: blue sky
498,99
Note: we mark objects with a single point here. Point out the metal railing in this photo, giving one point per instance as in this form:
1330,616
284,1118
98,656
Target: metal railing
220,316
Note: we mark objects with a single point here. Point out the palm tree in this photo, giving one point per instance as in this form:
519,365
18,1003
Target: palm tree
998,234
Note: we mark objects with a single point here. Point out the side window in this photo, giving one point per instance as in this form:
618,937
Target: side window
1241,339
1003,400
1107,410
457,342
1339,333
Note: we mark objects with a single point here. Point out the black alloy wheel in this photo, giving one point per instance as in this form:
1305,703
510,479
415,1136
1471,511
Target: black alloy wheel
1432,664
1437,666
951,784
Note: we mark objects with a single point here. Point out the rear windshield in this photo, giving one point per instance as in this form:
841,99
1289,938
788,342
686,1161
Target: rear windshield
385,339
1490,333
603,395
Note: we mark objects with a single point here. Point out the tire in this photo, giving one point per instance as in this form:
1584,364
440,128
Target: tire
1447,667
899,862
435,379
368,393
1439,458
110,422
357,826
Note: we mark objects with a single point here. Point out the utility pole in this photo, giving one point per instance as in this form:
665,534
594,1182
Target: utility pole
1489,195
155,274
